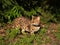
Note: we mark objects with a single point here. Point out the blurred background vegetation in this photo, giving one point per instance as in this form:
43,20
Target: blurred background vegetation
48,9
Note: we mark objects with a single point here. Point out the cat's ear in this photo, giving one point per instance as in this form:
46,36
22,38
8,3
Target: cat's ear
38,17
33,16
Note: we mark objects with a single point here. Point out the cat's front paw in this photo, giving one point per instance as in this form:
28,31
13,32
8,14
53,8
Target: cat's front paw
23,32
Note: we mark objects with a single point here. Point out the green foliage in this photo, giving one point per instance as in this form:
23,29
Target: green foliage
43,31
10,34
17,11
2,42
57,35
15,8
46,16
8,4
13,13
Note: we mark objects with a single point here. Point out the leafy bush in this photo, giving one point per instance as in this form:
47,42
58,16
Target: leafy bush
15,8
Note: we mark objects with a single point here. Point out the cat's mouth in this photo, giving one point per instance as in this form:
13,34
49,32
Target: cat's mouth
36,25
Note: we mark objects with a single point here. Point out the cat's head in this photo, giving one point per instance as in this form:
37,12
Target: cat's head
35,23
36,20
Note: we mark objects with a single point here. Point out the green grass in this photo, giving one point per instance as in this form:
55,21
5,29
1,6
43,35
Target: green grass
14,37
24,40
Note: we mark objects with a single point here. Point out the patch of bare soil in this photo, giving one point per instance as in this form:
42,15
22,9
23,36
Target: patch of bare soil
52,29
2,32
